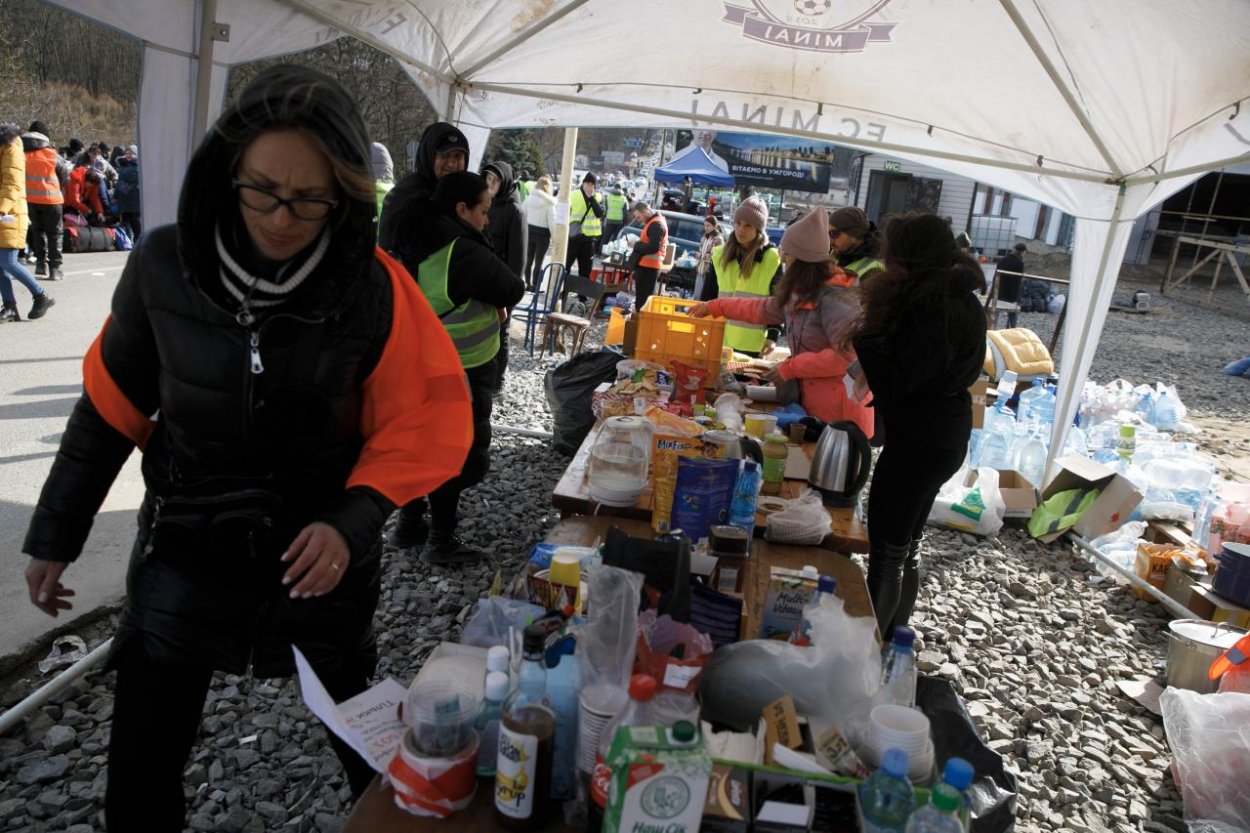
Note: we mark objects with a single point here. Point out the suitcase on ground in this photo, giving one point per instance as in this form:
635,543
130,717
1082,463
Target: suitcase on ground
80,239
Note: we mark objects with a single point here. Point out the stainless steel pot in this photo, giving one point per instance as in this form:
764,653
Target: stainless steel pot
1193,644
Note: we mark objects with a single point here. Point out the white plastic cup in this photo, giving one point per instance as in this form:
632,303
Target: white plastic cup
596,707
900,727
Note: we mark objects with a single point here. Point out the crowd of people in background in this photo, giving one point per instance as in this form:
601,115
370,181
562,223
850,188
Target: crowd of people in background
43,191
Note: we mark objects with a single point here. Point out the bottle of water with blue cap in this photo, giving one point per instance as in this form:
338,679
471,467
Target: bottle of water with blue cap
886,799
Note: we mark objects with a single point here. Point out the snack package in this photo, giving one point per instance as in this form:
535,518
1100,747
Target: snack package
689,383
671,424
703,495
665,451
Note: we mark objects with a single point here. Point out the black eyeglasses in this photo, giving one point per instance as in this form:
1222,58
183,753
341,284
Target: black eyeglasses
267,202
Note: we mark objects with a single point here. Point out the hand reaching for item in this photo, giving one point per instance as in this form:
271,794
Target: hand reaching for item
43,580
321,557
774,376
700,310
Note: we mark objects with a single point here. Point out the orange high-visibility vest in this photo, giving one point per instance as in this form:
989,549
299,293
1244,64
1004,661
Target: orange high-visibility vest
42,185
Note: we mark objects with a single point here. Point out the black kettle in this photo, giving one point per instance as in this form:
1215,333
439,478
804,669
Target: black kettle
840,464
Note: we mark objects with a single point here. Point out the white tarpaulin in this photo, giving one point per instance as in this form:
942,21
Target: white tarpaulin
1100,109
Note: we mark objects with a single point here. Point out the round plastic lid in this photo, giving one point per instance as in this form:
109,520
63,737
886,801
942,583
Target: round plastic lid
497,658
810,572
683,731
904,636
945,798
894,763
827,584
496,685
641,687
958,774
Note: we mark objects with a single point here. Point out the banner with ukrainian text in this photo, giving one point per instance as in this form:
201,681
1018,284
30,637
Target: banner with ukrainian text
765,161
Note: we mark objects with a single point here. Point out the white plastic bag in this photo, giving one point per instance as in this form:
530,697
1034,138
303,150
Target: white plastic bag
804,520
1210,739
978,508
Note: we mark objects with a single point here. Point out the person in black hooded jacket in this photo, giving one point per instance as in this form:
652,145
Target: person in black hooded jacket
507,231
468,286
443,149
288,385
921,342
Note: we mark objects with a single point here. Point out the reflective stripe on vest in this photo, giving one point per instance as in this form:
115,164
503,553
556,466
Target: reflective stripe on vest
592,226
42,185
616,208
864,266
656,260
739,334
473,325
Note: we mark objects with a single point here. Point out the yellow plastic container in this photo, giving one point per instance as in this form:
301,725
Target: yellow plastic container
667,333
616,328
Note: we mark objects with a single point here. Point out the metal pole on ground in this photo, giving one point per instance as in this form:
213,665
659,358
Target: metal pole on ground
1174,607
18,713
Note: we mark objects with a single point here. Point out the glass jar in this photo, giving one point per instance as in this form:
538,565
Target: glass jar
775,453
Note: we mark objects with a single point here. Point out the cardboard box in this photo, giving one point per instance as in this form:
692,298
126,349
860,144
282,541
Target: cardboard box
1116,500
1211,606
1018,493
978,391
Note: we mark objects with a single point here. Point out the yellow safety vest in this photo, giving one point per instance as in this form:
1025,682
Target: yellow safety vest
740,335
592,226
473,325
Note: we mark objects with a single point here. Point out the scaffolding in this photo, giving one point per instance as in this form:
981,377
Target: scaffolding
1206,247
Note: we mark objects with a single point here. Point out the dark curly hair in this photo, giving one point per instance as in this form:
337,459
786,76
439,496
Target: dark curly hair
922,264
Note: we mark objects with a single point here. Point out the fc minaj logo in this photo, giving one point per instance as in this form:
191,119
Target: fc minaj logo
814,25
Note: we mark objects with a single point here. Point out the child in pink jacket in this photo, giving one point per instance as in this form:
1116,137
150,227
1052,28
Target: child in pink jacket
816,304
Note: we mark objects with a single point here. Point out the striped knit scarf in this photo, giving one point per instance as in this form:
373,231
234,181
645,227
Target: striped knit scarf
254,292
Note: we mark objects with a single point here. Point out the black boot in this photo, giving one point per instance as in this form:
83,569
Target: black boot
9,312
40,306
410,529
447,548
41,269
55,273
908,590
885,581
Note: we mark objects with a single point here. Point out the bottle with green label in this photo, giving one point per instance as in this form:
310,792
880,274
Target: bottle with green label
527,731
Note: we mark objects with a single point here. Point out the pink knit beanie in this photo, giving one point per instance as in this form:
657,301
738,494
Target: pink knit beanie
754,211
808,239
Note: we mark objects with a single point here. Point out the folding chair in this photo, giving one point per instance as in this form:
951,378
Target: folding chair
541,303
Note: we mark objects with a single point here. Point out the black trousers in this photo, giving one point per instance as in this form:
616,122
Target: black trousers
156,716
135,222
644,284
45,233
444,501
582,252
539,240
906,481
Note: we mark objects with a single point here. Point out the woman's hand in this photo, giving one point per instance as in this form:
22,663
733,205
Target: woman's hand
774,375
43,580
503,315
321,557
769,346
699,310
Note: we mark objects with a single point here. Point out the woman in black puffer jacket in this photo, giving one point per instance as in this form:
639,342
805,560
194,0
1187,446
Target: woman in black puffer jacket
921,343
288,387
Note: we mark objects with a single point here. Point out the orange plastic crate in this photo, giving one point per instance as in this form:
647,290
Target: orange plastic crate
666,332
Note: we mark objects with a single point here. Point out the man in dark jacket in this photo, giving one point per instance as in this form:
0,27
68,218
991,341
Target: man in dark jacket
507,235
47,174
1009,284
443,149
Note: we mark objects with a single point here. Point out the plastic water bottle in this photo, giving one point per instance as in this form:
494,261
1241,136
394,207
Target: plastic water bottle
802,632
1024,411
1000,414
1166,412
487,723
1043,407
886,798
940,815
498,659
1033,457
959,774
746,495
898,675
1075,443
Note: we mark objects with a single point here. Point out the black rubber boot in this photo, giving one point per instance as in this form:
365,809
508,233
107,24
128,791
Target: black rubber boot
40,306
410,529
885,582
447,548
908,590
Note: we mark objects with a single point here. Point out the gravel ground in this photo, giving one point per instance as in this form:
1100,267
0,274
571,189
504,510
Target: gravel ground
1034,639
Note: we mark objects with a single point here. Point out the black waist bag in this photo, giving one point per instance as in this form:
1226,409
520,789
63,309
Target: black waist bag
242,525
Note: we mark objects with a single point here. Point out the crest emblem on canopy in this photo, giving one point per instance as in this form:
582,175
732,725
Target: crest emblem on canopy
811,25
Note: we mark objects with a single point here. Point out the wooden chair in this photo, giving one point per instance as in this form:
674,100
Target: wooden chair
557,322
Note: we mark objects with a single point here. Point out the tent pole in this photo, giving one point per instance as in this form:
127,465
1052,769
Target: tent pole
203,69
560,234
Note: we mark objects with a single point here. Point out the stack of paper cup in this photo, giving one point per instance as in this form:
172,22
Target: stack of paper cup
599,703
905,728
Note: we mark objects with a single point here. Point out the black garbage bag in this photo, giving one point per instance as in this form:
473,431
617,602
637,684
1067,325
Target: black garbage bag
569,388
993,790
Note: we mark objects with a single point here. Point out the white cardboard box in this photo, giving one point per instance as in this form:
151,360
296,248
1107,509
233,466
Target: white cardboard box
1117,498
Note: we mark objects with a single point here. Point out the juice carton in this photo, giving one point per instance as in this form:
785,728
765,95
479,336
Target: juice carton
659,780
788,592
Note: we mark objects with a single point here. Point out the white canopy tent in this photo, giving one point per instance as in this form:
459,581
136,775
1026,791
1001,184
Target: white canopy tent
1100,109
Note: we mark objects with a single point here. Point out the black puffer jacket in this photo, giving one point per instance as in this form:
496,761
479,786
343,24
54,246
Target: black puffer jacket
204,585
507,229
410,190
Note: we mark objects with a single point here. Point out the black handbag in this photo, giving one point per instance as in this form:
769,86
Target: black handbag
243,523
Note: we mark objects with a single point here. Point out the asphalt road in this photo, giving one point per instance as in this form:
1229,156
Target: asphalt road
40,379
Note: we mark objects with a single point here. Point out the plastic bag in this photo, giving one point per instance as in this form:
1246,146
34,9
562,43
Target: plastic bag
978,508
832,682
804,520
659,639
570,388
494,616
606,644
1210,739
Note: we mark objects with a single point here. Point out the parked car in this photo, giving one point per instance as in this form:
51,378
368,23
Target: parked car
685,231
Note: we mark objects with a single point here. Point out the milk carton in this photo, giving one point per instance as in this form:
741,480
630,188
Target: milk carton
788,592
659,780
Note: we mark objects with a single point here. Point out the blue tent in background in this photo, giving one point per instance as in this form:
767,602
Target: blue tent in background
698,166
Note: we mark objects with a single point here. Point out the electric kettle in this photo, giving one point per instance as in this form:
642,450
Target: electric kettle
840,464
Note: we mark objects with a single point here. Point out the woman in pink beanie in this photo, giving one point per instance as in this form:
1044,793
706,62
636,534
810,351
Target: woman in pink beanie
814,302
746,266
